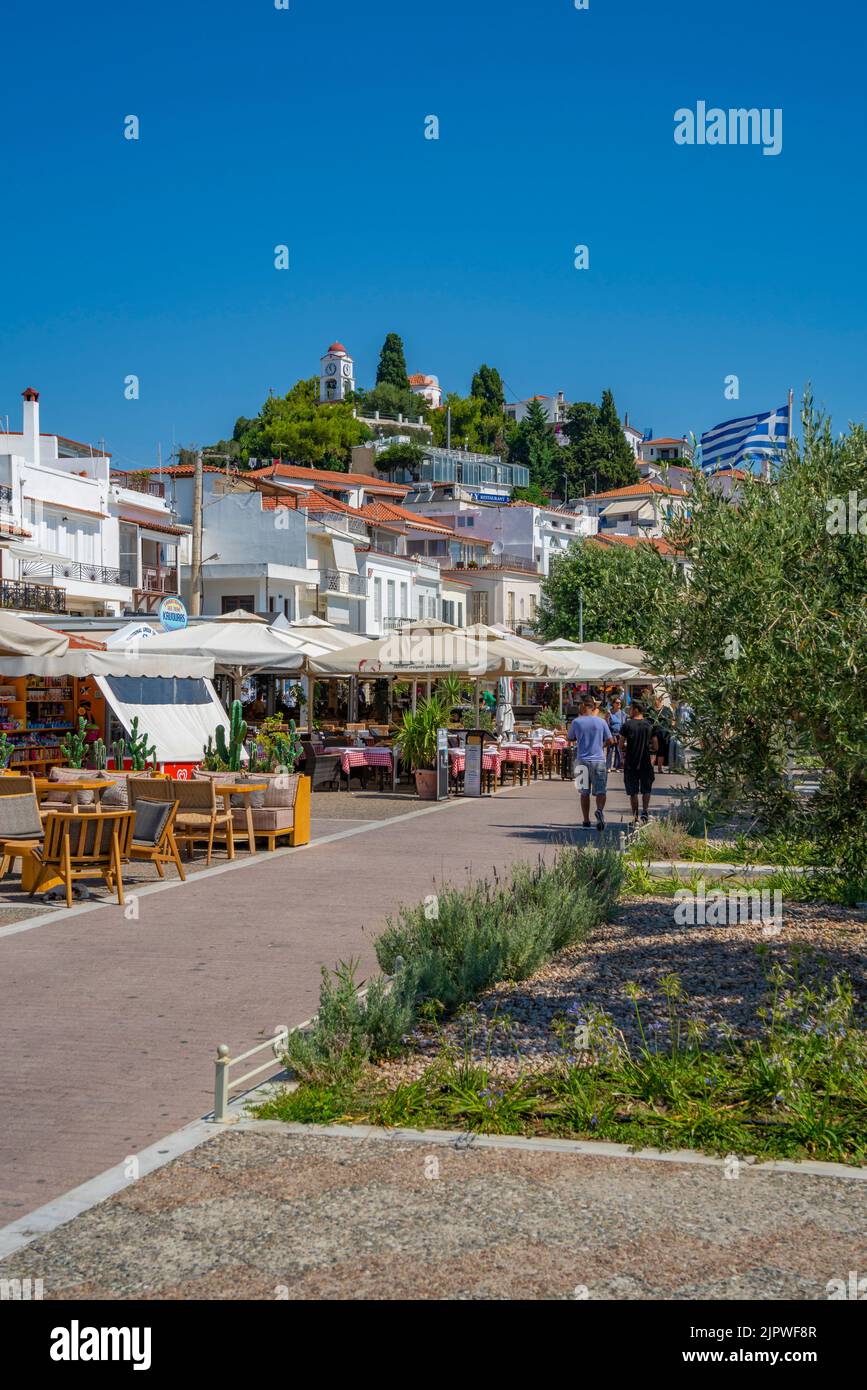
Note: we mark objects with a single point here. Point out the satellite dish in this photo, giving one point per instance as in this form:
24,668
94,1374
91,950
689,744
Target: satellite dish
497,548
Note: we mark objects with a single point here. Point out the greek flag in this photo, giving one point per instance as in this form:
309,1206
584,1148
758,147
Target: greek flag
744,440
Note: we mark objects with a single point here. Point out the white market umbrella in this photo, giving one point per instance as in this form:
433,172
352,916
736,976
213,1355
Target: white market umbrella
239,646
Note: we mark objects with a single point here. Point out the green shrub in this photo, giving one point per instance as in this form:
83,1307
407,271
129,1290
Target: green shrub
445,951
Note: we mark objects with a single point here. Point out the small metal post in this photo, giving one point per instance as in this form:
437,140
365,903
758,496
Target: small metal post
221,1085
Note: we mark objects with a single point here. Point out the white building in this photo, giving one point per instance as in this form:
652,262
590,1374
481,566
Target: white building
642,509
634,437
61,520
665,450
336,374
428,387
555,408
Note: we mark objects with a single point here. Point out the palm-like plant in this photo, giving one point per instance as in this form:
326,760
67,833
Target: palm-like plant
417,736
451,690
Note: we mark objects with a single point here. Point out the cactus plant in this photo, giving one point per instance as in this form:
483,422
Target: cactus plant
287,748
230,754
211,758
7,747
118,753
73,745
98,754
137,745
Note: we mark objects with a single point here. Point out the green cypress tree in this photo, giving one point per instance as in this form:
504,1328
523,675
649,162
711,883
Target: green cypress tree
392,363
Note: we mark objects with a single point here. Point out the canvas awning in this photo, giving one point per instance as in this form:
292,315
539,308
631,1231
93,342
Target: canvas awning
423,653
18,637
178,715
345,561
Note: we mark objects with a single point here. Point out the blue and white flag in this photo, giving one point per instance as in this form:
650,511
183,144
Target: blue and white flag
745,440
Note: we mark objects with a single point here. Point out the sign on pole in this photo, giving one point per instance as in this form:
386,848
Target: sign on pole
173,614
473,763
442,764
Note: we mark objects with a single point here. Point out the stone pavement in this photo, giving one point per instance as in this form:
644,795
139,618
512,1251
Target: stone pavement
269,1213
109,1023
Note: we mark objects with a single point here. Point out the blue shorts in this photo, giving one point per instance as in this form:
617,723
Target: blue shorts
596,776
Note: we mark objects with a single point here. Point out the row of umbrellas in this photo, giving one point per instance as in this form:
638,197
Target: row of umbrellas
243,644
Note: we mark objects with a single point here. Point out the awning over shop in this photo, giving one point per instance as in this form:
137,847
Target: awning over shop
178,715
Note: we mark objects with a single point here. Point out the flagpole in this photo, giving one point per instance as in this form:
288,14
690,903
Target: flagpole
791,399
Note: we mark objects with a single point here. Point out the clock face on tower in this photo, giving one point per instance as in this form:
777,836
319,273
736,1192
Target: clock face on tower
347,369
330,368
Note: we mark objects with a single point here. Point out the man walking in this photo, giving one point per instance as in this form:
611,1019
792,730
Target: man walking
638,741
616,720
592,735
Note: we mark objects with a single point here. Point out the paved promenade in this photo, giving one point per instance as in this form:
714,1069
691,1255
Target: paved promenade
109,1023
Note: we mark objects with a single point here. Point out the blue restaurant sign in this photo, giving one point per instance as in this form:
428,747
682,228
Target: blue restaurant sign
173,614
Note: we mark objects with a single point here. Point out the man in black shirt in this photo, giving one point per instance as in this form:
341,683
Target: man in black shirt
638,743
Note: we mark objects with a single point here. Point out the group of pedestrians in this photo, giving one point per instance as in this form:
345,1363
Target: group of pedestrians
632,741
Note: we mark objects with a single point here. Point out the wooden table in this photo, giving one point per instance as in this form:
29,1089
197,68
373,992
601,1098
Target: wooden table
44,785
244,789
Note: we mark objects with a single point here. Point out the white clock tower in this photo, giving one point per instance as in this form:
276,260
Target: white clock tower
336,374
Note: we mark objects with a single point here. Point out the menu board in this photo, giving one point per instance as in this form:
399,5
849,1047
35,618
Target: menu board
473,765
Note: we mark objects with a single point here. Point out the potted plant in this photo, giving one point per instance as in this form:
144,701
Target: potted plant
417,739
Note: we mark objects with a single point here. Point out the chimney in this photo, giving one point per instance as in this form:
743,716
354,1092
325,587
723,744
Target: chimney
31,425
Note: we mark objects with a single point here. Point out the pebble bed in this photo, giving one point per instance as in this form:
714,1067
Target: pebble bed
721,971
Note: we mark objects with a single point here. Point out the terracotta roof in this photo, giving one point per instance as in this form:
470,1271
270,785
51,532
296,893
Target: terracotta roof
663,546
389,511
662,440
326,477
8,529
338,347
156,526
639,490
732,472
309,500
185,470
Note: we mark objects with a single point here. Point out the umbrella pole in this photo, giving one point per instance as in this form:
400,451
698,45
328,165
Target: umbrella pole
560,694
478,697
414,694
428,687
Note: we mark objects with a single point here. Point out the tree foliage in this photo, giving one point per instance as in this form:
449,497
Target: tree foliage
296,428
622,587
598,456
534,444
391,370
487,386
772,637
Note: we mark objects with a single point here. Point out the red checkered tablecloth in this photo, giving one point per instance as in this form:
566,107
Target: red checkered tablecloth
365,757
514,753
458,759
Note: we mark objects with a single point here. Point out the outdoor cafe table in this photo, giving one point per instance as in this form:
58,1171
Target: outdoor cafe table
363,757
44,786
514,753
458,762
245,790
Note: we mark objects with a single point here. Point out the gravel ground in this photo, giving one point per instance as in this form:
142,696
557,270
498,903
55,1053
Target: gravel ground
720,969
281,1214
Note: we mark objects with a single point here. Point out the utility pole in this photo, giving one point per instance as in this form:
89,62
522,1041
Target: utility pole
196,555
580,615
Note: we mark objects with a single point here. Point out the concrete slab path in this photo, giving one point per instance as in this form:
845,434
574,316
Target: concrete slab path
109,1023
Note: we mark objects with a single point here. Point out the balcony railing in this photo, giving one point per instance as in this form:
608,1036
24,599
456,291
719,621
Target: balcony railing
339,520
494,562
160,582
138,482
36,598
72,569
336,582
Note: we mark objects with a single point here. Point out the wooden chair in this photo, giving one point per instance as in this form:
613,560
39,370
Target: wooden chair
200,815
84,846
20,822
17,783
153,837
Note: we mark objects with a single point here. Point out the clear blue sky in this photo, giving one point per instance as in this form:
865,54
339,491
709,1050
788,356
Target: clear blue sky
305,127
